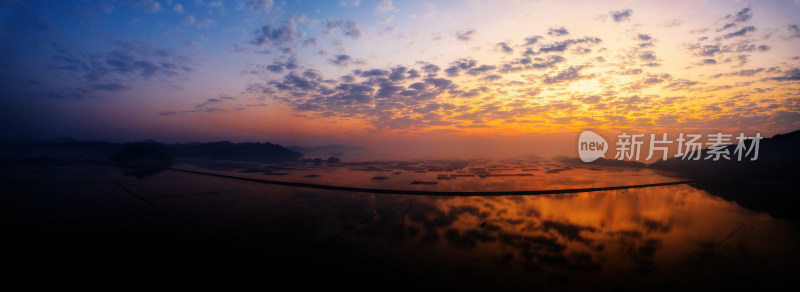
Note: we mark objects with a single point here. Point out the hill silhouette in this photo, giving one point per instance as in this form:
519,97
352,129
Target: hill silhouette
140,160
778,159
69,150
767,184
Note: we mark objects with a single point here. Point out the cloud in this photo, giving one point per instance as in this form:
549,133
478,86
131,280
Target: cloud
563,45
276,35
340,60
385,6
532,40
148,5
505,48
259,5
621,15
347,27
465,35
352,3
392,98
275,67
547,62
217,105
414,96
401,73
706,50
635,71
238,49
431,12
790,75
741,16
729,25
745,72
373,73
293,81
794,31
481,70
656,78
459,65
785,118
431,69
205,23
740,32
125,61
211,101
178,8
109,87
570,74
647,56
719,53
557,31
671,23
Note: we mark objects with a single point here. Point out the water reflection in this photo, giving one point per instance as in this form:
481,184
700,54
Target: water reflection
658,237
668,237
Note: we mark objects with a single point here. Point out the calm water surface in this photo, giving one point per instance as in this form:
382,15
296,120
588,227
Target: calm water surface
667,237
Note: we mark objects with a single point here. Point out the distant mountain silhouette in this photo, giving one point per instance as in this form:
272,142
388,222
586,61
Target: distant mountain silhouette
332,150
140,160
767,184
140,155
261,152
601,162
69,150
320,161
778,159
533,157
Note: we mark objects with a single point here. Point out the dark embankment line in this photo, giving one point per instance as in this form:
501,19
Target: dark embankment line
433,193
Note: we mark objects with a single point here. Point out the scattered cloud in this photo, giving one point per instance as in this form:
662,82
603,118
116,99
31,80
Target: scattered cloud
340,60
505,48
347,27
275,34
385,6
465,35
351,3
148,5
740,32
621,15
557,31
259,5
570,74
532,40
431,11
742,16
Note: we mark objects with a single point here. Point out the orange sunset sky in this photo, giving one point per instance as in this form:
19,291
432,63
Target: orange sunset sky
417,79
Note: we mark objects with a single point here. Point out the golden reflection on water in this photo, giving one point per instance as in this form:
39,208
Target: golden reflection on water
652,237
657,237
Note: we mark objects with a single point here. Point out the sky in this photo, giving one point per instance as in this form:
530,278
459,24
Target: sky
418,79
